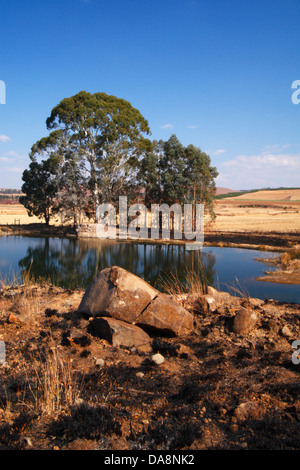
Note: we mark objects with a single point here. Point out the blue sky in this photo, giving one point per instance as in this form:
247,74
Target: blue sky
217,73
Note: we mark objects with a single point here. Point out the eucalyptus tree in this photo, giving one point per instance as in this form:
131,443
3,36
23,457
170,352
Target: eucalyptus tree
172,173
173,181
200,178
150,173
108,136
71,187
40,189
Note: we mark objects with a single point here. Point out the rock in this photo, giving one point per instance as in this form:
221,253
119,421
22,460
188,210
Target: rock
256,302
244,321
121,295
165,315
248,410
286,332
140,375
208,303
219,296
157,358
119,333
27,441
117,293
214,299
100,362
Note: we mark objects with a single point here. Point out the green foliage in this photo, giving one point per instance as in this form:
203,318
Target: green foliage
172,173
107,134
97,150
235,193
40,188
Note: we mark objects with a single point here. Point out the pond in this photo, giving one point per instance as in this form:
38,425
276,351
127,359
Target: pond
73,263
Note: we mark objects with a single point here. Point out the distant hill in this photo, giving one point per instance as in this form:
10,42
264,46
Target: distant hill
220,191
265,194
288,194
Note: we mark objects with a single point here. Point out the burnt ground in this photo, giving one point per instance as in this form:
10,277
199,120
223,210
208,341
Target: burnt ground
216,389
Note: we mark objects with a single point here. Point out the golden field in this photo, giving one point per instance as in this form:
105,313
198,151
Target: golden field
276,211
233,216
15,214
280,195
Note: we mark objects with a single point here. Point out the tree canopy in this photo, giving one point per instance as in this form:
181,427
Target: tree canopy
40,188
172,173
98,149
107,134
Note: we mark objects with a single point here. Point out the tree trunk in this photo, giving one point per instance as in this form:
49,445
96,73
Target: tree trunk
97,205
47,217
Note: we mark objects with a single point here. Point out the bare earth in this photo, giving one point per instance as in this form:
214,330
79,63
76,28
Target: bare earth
63,389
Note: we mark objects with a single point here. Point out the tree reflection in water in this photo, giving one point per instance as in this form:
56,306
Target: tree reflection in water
74,263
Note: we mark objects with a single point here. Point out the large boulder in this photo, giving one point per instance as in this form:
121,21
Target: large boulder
117,293
166,315
122,295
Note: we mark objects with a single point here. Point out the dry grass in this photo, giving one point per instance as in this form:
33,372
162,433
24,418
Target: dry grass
235,215
288,256
53,387
194,283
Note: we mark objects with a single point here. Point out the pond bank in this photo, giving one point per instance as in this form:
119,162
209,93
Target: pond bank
288,268
265,241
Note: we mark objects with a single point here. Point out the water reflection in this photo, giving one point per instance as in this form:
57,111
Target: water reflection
74,263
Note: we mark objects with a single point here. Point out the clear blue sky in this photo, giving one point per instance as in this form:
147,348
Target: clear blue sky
217,73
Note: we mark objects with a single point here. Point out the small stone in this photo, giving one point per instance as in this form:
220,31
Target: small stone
244,321
28,441
100,362
157,358
140,375
286,332
248,410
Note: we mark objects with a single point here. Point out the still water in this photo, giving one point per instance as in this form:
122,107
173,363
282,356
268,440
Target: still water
72,263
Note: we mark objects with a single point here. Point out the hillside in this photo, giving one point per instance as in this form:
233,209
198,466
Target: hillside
271,195
220,191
